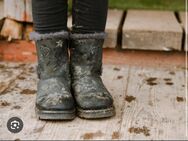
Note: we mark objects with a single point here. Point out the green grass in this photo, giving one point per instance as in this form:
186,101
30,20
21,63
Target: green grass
175,5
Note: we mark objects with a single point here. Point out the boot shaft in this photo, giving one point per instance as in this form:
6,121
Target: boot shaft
86,54
52,52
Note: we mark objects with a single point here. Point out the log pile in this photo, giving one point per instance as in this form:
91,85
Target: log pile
15,19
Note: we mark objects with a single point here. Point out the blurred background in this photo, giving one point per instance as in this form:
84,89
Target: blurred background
148,4
16,23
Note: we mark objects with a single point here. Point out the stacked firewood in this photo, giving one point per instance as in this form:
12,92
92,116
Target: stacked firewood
15,19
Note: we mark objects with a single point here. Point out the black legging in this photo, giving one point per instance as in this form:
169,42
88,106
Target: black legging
89,16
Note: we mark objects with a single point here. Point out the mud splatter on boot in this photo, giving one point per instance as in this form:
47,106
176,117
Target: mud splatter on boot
92,98
54,100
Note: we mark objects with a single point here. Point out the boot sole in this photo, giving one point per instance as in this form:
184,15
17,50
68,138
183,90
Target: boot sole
56,115
96,114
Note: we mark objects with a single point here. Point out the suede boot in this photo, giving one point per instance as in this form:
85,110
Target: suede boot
54,100
92,98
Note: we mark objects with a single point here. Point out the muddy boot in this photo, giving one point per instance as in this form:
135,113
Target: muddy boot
54,100
92,98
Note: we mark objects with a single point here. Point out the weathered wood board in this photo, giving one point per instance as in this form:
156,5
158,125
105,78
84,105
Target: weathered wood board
158,106
152,30
93,129
14,9
20,10
19,100
8,74
150,105
1,13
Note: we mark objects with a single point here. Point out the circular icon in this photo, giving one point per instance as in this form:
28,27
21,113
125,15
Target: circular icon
15,125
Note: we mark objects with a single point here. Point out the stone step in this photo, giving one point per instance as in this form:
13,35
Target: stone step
112,27
151,30
182,16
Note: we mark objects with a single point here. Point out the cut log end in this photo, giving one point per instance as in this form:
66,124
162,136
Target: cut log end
12,29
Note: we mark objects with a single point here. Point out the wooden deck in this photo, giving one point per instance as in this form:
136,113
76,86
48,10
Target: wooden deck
150,104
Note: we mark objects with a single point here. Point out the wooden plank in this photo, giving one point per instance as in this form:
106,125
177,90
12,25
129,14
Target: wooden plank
20,102
152,30
28,11
7,76
12,29
20,10
15,9
115,80
112,26
1,9
182,16
114,77
150,103
1,13
155,105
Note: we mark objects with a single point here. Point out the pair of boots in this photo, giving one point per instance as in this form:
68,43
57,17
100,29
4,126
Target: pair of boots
70,86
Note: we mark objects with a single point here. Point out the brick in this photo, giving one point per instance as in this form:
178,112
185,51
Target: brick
12,29
182,16
18,50
152,30
112,26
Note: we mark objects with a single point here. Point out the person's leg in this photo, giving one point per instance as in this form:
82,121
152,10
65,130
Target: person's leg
49,15
89,16
92,98
54,100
